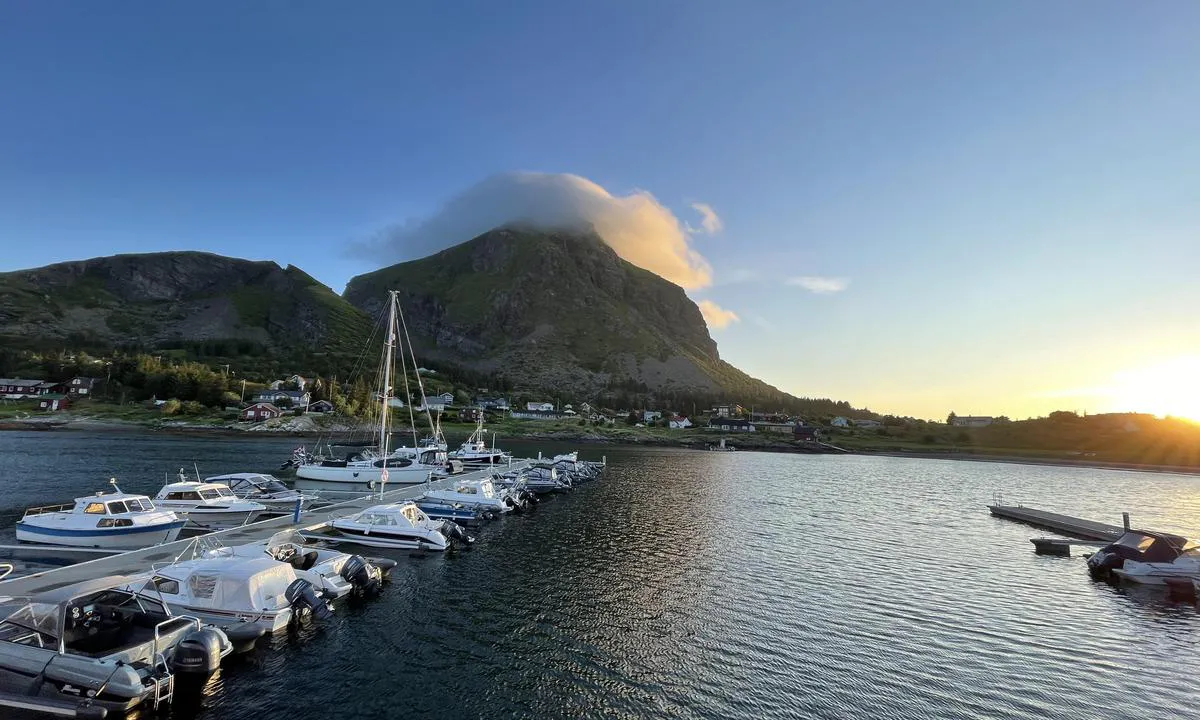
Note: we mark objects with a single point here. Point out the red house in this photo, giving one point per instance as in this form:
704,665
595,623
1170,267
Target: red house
261,411
54,402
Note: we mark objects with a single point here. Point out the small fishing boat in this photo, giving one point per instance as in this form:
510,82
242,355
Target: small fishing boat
479,495
335,573
264,489
475,453
96,647
399,525
256,590
442,510
208,505
116,520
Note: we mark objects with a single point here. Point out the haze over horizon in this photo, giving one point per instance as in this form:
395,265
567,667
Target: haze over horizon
935,207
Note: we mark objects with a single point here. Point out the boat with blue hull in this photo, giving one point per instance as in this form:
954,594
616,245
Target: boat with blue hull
114,520
449,511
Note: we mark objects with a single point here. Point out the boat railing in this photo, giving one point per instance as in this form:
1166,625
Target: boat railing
65,507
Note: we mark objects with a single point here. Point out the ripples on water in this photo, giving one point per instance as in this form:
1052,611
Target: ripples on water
712,585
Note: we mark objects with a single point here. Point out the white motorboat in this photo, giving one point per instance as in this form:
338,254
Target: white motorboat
208,505
115,520
256,590
398,525
472,494
335,573
264,489
1147,557
474,452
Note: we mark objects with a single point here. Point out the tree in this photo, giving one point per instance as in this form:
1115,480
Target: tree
951,418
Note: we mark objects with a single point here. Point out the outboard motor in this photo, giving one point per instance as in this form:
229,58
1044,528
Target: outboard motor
363,577
456,533
305,602
199,654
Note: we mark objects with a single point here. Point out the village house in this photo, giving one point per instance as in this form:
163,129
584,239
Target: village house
649,416
729,424
260,411
972,421
438,402
807,433
778,428
320,406
297,398
491,403
679,422
19,387
868,423
297,381
540,406
54,402
724,411
82,386
840,422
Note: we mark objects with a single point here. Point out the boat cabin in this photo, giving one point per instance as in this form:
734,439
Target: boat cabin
395,515
228,583
1146,546
190,490
117,503
248,484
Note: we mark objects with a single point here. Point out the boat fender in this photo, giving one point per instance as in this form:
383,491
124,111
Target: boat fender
199,653
302,596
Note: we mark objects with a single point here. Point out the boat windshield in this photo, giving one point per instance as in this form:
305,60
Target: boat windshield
216,493
272,486
128,505
38,616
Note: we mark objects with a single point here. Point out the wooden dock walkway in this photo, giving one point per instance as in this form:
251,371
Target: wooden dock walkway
1065,524
140,561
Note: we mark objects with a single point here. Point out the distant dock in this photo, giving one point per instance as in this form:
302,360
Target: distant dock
1063,524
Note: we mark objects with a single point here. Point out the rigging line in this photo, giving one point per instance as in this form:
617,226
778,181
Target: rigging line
412,421
420,384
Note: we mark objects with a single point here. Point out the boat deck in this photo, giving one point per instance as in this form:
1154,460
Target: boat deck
1065,524
140,561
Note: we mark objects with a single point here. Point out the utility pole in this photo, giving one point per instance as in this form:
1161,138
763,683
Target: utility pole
243,390
226,366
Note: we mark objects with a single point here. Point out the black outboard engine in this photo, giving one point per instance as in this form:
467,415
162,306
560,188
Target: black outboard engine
456,533
198,654
364,578
305,602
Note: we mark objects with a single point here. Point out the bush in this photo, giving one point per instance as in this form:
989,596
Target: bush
192,407
170,407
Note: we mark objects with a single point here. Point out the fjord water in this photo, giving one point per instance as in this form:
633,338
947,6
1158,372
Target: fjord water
713,585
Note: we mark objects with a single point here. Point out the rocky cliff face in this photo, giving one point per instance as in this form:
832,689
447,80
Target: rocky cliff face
551,309
161,298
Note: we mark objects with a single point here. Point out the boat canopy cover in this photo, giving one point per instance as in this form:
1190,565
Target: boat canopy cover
235,582
1145,546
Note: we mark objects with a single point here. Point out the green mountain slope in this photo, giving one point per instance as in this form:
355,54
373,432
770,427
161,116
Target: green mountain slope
162,299
556,310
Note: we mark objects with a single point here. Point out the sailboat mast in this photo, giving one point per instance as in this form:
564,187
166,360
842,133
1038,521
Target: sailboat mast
388,355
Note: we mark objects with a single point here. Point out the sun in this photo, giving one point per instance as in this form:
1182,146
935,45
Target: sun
1168,387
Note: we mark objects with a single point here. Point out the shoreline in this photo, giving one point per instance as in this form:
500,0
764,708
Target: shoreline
584,436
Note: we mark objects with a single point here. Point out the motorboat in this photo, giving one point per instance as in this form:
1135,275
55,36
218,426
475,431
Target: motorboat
96,646
443,510
1145,556
335,573
539,479
116,520
474,452
399,525
477,494
208,505
264,489
257,590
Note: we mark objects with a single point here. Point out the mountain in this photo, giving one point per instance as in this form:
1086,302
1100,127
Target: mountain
173,298
555,310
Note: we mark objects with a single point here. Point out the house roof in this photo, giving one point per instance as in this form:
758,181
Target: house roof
22,383
265,405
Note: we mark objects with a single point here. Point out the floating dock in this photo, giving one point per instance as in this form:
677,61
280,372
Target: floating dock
1064,524
141,561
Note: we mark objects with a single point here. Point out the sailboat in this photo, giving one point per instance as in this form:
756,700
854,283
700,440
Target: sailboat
373,471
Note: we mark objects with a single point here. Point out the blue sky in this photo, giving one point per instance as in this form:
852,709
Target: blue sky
1008,191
